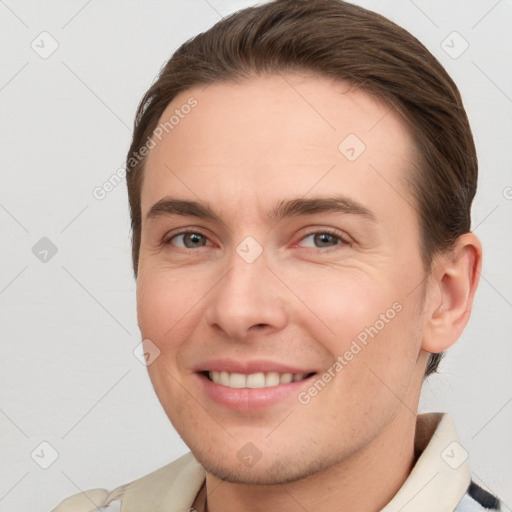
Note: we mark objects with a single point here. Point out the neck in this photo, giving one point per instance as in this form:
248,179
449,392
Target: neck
366,481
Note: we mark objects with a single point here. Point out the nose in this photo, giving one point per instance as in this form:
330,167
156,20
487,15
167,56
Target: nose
248,299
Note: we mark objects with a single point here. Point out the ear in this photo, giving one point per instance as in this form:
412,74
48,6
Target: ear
451,288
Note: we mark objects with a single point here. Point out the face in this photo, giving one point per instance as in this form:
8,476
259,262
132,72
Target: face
278,237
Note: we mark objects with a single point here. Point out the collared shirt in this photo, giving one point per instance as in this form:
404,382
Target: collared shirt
440,481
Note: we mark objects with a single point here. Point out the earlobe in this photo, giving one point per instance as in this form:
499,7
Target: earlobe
453,283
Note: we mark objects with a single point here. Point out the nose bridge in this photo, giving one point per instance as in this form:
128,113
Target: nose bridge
247,295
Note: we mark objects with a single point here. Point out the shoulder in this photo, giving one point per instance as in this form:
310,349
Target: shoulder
179,481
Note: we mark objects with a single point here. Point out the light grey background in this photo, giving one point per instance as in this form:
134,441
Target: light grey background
68,325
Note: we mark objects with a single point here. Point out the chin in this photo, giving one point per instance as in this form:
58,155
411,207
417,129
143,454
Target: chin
264,472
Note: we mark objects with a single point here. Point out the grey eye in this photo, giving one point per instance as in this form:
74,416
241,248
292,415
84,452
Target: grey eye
190,240
322,240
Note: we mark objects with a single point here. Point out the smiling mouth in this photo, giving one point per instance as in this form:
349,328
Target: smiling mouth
254,380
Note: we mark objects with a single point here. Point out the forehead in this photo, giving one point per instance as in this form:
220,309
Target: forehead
278,135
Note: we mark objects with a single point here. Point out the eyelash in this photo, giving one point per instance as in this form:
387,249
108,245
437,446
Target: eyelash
343,240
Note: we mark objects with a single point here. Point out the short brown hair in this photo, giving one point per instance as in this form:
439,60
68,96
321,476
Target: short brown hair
335,39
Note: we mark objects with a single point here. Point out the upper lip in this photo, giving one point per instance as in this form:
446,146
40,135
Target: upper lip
250,366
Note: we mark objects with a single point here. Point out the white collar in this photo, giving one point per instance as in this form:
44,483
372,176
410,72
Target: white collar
441,476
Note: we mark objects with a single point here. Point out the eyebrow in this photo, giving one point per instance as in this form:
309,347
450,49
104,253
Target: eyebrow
168,206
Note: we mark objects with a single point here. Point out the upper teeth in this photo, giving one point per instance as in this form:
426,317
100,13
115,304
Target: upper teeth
254,380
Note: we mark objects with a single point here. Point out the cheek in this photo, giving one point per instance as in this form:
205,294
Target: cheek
371,325
163,302
346,304
164,311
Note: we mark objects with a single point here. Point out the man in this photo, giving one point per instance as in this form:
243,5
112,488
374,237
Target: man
300,182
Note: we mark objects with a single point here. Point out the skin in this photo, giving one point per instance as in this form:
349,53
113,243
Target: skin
244,148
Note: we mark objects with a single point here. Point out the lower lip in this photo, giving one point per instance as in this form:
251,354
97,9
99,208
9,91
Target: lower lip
250,399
